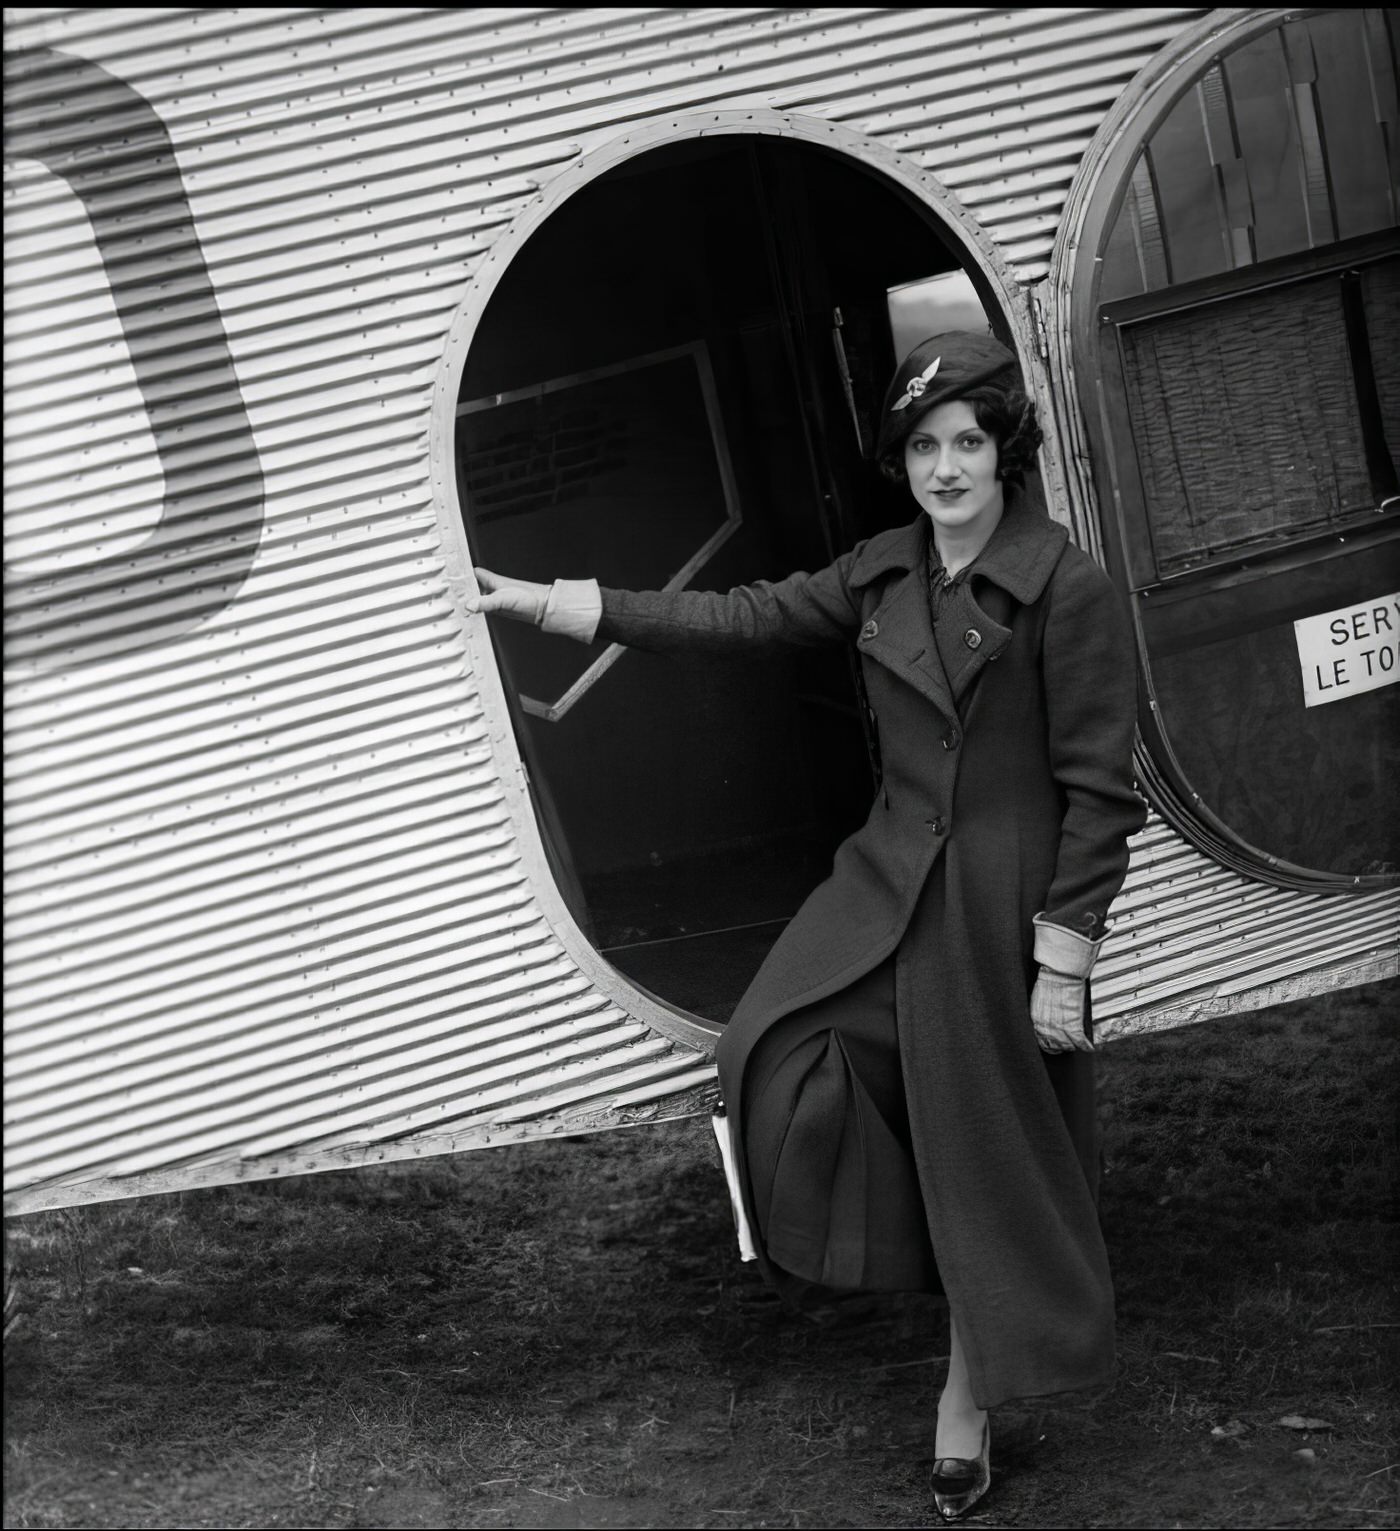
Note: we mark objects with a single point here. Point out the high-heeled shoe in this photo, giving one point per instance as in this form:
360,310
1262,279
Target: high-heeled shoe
958,1484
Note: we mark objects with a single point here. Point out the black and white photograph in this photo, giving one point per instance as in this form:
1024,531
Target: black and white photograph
702,768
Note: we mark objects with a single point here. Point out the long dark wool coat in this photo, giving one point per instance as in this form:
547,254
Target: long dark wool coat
1007,791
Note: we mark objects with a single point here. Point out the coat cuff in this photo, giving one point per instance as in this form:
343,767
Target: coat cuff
1064,951
574,609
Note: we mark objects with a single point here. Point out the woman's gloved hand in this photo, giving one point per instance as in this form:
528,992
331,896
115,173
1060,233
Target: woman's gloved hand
1059,998
1057,1013
570,607
516,598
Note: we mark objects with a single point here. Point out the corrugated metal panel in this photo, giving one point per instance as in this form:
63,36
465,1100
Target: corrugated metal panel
1192,939
270,905
334,104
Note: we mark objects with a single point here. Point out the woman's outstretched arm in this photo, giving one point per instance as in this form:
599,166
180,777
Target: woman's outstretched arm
804,610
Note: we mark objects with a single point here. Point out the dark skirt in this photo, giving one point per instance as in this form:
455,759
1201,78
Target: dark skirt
827,1142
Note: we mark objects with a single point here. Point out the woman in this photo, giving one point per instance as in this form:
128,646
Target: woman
909,1078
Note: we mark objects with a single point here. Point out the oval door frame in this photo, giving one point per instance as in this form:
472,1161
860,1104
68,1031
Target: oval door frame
1069,307
979,256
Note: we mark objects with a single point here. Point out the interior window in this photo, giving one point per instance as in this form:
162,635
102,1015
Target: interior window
571,472
932,305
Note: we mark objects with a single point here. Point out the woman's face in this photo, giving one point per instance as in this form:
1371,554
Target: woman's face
952,467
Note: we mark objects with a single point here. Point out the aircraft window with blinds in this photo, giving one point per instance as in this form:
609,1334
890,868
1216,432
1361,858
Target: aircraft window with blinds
1290,385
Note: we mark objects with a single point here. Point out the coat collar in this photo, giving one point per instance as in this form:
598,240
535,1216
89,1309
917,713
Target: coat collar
1019,556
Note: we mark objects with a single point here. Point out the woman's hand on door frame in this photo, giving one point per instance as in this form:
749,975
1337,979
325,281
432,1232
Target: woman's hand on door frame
571,608
519,599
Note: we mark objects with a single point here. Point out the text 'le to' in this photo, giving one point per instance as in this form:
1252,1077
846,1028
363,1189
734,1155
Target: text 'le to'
1343,653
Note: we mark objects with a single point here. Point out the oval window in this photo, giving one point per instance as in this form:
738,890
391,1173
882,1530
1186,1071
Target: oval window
1241,382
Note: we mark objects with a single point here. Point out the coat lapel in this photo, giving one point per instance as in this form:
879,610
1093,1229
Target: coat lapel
903,641
1018,559
961,615
1013,569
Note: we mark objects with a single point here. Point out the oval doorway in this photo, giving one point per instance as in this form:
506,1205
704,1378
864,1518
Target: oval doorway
676,382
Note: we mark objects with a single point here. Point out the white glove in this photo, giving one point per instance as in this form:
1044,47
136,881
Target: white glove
515,598
1057,1013
569,607
1057,1001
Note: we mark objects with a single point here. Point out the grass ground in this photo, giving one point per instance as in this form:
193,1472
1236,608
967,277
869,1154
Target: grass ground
558,1335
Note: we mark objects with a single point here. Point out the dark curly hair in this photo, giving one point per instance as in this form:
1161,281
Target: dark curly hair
1006,414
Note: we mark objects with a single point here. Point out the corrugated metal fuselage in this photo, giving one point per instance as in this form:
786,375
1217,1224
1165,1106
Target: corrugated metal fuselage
277,895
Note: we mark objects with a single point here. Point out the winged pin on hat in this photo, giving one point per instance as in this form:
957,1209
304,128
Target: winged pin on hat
940,368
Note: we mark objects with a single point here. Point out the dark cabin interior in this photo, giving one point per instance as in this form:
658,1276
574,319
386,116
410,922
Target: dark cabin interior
689,804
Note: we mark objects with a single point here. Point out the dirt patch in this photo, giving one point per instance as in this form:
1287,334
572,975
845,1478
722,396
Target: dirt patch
559,1335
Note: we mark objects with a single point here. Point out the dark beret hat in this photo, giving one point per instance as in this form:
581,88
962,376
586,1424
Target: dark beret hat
940,368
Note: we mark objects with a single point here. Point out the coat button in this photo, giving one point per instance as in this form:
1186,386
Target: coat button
936,825
950,741
871,628
972,638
